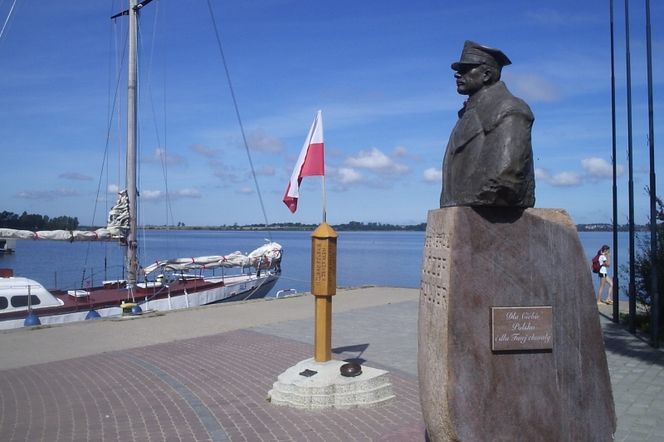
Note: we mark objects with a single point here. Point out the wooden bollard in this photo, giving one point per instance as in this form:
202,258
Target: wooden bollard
323,287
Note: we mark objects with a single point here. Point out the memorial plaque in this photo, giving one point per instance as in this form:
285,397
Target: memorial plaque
324,261
521,328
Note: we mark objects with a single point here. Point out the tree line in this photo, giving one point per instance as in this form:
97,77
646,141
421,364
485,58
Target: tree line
353,225
606,227
33,222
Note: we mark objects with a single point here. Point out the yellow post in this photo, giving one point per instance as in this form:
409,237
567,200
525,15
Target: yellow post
323,287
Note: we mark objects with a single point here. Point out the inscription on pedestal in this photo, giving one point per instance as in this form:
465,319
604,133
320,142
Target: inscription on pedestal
521,328
323,266
435,276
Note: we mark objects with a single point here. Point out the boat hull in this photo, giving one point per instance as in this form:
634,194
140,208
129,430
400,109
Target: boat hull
179,295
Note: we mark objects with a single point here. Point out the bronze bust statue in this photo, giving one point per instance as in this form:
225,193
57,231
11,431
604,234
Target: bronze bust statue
489,157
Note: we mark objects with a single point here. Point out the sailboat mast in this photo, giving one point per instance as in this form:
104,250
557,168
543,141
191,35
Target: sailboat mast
131,260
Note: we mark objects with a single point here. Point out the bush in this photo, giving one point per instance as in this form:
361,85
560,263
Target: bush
643,269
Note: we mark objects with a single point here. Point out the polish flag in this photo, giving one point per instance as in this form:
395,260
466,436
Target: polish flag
311,162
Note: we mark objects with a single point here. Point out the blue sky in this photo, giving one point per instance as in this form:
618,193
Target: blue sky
380,72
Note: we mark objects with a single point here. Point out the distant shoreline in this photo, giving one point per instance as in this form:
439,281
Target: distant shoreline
365,227
347,227
352,226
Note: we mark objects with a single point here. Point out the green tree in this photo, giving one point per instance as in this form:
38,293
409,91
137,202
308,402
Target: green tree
37,222
8,220
643,267
63,223
31,221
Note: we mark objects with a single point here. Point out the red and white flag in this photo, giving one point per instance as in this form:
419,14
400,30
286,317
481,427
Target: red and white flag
311,162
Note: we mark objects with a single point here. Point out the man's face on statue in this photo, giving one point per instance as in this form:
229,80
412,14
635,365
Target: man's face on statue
470,78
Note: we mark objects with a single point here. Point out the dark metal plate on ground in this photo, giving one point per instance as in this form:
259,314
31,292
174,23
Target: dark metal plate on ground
308,373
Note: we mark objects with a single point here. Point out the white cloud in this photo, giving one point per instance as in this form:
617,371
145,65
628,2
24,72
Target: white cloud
187,193
160,195
594,169
532,87
433,175
600,168
204,150
225,173
566,179
347,175
152,195
75,176
113,188
562,179
400,151
553,18
260,141
245,190
46,194
266,171
376,161
161,156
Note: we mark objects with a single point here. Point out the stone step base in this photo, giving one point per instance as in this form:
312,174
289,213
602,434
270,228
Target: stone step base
328,389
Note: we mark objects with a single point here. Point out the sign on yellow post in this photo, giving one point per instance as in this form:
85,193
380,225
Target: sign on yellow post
323,287
324,261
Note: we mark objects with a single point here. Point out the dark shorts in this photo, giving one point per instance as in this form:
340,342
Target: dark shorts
601,275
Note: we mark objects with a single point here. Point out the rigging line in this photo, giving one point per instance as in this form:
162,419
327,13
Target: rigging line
105,169
117,38
106,146
4,25
105,155
108,137
251,293
140,215
295,279
163,156
239,119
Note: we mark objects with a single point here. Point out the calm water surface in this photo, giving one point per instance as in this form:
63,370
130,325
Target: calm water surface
363,258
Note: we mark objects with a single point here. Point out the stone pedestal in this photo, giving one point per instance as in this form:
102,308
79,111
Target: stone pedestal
476,259
297,387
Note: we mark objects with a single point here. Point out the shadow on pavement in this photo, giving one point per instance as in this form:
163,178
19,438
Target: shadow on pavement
619,341
358,359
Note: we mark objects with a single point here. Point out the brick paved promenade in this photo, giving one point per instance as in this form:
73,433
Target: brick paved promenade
204,374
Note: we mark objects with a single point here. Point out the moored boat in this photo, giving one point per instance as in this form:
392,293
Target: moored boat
170,290
7,246
165,285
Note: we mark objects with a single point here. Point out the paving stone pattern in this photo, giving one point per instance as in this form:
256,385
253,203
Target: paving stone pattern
214,387
637,378
211,388
385,335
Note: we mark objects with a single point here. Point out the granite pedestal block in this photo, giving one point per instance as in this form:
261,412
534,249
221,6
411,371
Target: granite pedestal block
476,259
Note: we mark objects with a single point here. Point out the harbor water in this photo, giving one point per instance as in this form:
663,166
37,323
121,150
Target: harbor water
363,257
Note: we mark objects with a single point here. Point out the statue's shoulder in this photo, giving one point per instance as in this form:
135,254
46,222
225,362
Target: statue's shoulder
498,103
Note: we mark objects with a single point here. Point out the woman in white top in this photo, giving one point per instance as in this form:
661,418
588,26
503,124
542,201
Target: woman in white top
604,278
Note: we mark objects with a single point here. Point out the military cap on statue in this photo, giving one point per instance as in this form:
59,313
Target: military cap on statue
476,54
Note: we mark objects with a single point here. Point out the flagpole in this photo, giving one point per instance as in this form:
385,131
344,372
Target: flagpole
654,292
324,200
616,274
630,181
319,115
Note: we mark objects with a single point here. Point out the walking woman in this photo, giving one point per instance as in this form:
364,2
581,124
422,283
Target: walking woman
604,278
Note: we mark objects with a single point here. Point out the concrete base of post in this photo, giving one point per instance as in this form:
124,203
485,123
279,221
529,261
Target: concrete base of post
327,388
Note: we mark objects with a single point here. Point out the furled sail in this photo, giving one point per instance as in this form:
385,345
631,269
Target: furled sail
116,228
118,216
264,257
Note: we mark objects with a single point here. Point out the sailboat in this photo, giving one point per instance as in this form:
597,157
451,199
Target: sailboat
163,285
